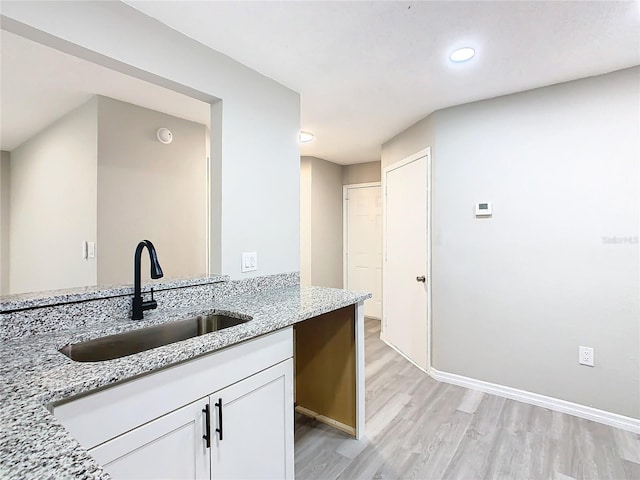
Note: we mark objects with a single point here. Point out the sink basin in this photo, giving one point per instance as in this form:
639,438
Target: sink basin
123,344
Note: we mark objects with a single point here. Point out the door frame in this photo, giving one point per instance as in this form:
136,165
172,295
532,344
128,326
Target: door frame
426,152
345,193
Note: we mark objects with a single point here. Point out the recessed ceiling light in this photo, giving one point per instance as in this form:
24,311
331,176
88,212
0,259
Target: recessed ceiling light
306,137
462,54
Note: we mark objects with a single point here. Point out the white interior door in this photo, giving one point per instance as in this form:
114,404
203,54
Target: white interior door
406,271
363,244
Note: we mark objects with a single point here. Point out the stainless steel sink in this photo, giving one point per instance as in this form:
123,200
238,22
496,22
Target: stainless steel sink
123,344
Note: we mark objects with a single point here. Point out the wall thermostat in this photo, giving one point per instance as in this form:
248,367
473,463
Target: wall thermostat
483,209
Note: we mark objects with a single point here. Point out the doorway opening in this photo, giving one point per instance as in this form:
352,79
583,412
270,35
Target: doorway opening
406,316
362,264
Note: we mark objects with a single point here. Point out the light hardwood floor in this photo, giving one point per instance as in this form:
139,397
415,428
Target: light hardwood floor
418,428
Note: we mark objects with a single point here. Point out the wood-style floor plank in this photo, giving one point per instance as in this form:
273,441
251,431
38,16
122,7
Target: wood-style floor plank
418,428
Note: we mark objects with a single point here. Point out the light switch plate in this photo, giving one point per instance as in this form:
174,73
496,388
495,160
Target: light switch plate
249,262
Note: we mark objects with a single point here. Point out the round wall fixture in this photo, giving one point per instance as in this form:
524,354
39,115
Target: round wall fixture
164,135
306,137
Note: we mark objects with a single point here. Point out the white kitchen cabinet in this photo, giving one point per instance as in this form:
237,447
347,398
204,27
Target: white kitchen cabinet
170,447
251,436
151,427
252,427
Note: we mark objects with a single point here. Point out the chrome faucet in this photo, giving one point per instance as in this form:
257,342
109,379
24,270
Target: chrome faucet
139,305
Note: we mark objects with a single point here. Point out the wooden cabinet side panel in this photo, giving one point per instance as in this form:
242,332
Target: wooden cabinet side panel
325,366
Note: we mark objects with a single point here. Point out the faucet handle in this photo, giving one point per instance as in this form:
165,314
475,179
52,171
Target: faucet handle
149,304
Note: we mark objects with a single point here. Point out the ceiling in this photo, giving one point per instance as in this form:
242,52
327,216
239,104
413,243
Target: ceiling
368,70
38,85
365,70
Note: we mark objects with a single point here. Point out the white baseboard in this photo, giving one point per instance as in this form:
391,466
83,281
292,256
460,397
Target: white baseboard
382,337
589,413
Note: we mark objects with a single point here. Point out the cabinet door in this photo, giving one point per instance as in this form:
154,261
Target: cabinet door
170,447
257,427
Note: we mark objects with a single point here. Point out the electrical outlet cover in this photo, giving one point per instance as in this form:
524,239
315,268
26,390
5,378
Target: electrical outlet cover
586,356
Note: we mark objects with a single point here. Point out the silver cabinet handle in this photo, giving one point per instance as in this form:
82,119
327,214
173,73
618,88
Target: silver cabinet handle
421,278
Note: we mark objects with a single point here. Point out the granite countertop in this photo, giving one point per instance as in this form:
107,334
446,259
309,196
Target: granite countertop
34,444
21,301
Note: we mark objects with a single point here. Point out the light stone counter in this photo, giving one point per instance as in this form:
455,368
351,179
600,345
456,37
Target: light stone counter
21,301
34,444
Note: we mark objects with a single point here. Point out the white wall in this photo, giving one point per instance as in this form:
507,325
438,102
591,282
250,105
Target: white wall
53,205
5,190
149,190
515,295
326,227
321,235
321,222
255,152
361,173
415,138
306,238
